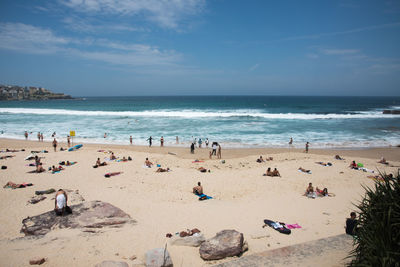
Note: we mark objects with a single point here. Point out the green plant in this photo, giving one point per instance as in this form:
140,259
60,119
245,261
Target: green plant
377,242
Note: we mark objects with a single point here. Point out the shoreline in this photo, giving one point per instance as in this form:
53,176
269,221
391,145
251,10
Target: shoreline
390,153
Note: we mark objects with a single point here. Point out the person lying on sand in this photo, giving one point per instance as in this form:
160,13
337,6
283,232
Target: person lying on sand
383,161
14,185
353,165
339,157
198,190
148,163
107,175
12,150
323,163
56,169
7,156
39,168
304,170
324,192
163,170
260,159
201,169
60,203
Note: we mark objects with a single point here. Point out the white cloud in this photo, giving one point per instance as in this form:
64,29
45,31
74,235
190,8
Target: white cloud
339,51
165,13
35,40
254,67
30,39
78,24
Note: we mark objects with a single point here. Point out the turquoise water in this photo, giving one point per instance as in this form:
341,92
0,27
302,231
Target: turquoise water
234,121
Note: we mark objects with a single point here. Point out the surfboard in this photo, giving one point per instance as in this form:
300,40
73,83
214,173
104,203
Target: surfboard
75,147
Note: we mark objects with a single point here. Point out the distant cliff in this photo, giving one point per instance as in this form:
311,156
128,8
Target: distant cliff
13,92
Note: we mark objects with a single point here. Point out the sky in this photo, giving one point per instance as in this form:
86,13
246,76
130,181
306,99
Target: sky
201,47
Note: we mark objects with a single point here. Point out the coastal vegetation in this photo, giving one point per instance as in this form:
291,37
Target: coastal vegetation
377,241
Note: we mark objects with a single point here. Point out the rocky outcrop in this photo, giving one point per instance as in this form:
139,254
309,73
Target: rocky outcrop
191,241
94,214
227,243
158,257
391,111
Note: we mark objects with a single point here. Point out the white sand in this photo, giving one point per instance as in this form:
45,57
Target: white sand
163,202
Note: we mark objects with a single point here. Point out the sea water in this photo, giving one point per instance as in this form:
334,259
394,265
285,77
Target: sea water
233,121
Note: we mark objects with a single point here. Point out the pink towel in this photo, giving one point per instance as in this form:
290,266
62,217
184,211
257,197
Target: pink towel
292,226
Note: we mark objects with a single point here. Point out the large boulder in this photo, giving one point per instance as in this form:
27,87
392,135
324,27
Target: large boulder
158,257
227,243
112,264
194,240
94,214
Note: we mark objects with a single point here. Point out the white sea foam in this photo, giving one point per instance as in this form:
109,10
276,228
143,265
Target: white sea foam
199,114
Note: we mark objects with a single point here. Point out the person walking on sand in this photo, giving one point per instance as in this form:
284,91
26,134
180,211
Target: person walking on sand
291,141
192,148
219,155
307,145
130,139
206,142
162,141
38,136
150,139
55,144
200,142
68,141
214,148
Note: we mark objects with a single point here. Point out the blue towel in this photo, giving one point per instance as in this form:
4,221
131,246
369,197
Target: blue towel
204,195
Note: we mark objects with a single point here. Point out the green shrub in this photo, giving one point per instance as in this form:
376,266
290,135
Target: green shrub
378,237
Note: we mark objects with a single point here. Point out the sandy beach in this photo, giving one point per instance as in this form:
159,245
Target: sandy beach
163,203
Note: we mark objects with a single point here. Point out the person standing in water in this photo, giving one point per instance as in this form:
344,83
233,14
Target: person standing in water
130,139
177,140
68,141
150,139
26,135
307,145
162,141
206,142
291,141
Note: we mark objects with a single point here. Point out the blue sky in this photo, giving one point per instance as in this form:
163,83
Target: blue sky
199,47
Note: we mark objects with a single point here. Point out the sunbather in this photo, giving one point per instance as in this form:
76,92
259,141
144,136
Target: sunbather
39,168
98,163
201,169
7,156
113,157
163,170
383,161
353,165
107,175
310,191
304,170
14,185
339,157
324,192
323,163
269,172
260,159
198,190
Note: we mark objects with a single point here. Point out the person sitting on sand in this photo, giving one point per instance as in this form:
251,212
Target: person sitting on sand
304,170
113,157
268,172
351,224
39,168
324,164
37,160
163,170
198,190
383,161
98,163
339,157
276,173
310,191
148,163
260,159
124,159
353,165
60,205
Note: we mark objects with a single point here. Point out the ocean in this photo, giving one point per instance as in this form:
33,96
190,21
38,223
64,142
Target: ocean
233,121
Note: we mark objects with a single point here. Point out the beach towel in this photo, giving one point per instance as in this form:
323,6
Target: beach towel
293,226
278,226
204,197
305,172
48,191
